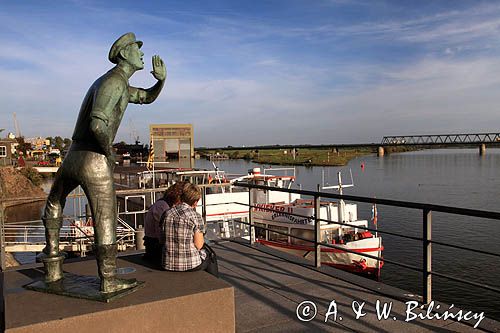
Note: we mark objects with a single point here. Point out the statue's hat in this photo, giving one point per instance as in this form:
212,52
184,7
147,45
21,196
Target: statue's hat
122,42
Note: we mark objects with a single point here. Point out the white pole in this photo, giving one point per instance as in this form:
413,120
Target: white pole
341,206
152,140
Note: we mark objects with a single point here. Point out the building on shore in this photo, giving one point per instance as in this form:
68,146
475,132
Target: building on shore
173,144
38,143
7,150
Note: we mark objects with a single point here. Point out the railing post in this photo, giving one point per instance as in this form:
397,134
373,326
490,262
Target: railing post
2,239
317,229
204,205
427,256
251,231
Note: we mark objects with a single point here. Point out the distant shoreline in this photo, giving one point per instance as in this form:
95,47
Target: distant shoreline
297,157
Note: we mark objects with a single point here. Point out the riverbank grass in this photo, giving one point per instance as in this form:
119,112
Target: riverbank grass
302,156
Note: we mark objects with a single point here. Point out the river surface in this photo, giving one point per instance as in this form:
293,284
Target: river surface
452,177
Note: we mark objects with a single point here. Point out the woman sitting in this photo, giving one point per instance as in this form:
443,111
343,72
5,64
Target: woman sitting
183,243
154,220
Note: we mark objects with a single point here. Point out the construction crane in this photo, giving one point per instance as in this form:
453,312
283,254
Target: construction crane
18,131
133,131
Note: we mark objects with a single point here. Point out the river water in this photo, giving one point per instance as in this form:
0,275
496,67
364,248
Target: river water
452,177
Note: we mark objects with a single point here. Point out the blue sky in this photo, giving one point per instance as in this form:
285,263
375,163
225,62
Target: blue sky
261,72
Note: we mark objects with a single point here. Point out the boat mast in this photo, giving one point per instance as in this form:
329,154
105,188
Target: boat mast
341,205
154,193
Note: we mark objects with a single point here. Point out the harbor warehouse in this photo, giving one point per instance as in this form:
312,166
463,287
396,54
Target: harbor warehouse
173,143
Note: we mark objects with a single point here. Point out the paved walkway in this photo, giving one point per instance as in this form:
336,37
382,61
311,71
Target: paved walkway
268,291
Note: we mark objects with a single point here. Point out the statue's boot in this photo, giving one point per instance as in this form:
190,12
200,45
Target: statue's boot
52,229
106,266
51,258
53,268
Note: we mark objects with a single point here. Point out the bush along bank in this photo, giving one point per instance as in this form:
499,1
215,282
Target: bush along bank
20,183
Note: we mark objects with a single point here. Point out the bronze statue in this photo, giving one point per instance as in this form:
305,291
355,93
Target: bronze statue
90,160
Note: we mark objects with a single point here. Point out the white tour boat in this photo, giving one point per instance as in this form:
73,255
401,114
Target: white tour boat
296,218
227,204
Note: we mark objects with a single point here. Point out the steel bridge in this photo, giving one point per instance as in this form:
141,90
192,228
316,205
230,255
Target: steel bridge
442,139
429,140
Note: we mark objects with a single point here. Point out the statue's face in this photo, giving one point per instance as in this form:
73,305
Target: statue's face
134,56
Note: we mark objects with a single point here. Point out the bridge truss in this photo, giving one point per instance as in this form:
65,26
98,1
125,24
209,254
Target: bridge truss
439,139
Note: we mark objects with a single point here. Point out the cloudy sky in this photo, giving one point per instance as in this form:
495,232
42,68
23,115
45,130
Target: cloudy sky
261,72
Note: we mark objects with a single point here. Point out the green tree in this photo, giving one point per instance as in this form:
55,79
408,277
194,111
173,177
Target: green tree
33,175
58,143
23,146
67,143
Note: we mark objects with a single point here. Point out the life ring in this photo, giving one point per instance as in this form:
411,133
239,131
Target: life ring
360,264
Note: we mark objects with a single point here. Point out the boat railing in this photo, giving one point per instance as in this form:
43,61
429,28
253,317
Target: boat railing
284,172
426,224
30,235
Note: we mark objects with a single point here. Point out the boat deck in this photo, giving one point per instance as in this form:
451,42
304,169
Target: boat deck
269,289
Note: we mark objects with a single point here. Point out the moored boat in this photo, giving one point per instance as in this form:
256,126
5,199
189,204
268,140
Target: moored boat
297,219
226,205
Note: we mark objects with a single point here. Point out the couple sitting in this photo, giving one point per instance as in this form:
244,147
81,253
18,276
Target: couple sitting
174,232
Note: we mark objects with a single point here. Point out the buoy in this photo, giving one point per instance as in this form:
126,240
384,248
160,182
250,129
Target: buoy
362,166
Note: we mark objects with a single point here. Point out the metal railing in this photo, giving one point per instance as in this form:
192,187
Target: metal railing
426,239
33,232
21,237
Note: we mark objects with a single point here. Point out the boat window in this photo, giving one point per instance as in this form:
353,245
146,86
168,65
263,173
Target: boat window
259,232
273,236
302,233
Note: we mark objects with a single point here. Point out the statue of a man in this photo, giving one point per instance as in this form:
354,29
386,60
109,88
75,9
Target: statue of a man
90,160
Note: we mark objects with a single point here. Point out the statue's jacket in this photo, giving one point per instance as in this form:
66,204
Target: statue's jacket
106,100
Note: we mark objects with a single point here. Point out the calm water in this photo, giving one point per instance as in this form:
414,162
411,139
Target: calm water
453,177
458,178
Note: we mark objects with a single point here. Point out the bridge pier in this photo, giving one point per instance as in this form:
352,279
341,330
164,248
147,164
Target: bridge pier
380,151
482,149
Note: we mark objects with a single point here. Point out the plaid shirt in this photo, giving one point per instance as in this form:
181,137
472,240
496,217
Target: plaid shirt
179,252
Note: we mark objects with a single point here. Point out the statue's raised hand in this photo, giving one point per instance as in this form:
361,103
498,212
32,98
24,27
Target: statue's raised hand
159,69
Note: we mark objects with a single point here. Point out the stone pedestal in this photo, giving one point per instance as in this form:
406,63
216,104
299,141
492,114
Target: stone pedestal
170,301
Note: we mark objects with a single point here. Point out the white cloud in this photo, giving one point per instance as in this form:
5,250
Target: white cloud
236,89
431,96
